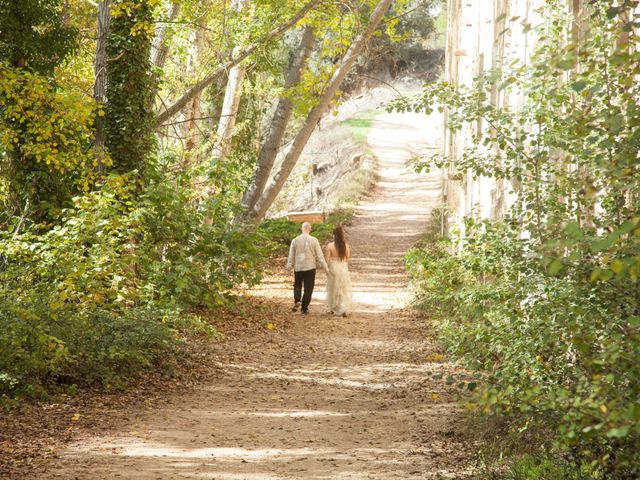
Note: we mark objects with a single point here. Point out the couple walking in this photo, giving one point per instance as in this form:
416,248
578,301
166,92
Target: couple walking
304,254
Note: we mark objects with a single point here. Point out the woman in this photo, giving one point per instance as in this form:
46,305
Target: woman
339,290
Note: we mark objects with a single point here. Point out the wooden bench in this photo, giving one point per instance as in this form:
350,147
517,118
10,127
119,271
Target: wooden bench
311,217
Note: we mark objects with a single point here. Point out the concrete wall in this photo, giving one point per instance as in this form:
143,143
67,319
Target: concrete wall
484,34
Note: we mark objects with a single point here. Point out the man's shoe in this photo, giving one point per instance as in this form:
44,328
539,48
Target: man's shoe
305,312
295,307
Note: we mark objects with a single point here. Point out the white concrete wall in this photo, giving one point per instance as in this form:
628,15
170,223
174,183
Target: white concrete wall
483,34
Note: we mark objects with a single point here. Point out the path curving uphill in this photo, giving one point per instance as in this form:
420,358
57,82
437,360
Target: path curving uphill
313,397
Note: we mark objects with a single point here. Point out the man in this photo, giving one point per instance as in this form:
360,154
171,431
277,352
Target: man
304,252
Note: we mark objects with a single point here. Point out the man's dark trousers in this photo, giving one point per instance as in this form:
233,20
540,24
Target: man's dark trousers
308,278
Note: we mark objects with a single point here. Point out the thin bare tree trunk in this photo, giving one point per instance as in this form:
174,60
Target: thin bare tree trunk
229,113
231,102
278,125
181,103
191,131
160,47
316,113
100,83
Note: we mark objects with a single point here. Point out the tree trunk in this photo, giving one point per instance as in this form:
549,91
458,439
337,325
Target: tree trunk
231,102
190,130
229,112
181,103
131,90
317,112
278,126
100,83
160,47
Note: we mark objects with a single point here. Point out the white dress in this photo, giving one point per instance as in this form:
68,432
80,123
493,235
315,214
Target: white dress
339,290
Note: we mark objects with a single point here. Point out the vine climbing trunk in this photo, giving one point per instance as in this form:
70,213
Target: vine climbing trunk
279,122
131,89
316,113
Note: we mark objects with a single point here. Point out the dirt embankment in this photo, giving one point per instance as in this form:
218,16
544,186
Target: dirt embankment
338,165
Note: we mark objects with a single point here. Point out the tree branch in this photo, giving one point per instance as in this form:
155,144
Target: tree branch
162,117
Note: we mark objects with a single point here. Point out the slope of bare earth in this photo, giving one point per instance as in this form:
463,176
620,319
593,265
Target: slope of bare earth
309,397
336,164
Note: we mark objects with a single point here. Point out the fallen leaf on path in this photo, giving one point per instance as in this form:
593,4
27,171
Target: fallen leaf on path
435,358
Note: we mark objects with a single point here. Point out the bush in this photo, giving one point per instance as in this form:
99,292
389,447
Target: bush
559,354
40,353
105,292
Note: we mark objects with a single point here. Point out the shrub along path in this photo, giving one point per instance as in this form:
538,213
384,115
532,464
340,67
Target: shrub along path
307,396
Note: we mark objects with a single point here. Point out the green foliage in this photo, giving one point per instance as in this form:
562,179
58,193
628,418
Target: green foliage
106,291
44,350
559,353
44,130
546,301
131,85
46,135
34,36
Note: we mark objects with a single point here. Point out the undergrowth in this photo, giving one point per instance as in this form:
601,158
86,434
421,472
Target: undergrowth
558,355
107,291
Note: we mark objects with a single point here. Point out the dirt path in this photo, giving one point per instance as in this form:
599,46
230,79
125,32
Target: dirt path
316,397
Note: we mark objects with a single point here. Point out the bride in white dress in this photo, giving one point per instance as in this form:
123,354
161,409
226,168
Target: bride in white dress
339,291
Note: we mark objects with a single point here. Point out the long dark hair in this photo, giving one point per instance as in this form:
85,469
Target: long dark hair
340,242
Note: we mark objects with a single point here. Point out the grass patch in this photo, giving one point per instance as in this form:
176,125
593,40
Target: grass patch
356,183
532,467
360,126
540,466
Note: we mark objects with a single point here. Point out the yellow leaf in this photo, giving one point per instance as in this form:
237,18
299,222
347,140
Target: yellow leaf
435,397
435,358
271,326
603,408
76,417
616,266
